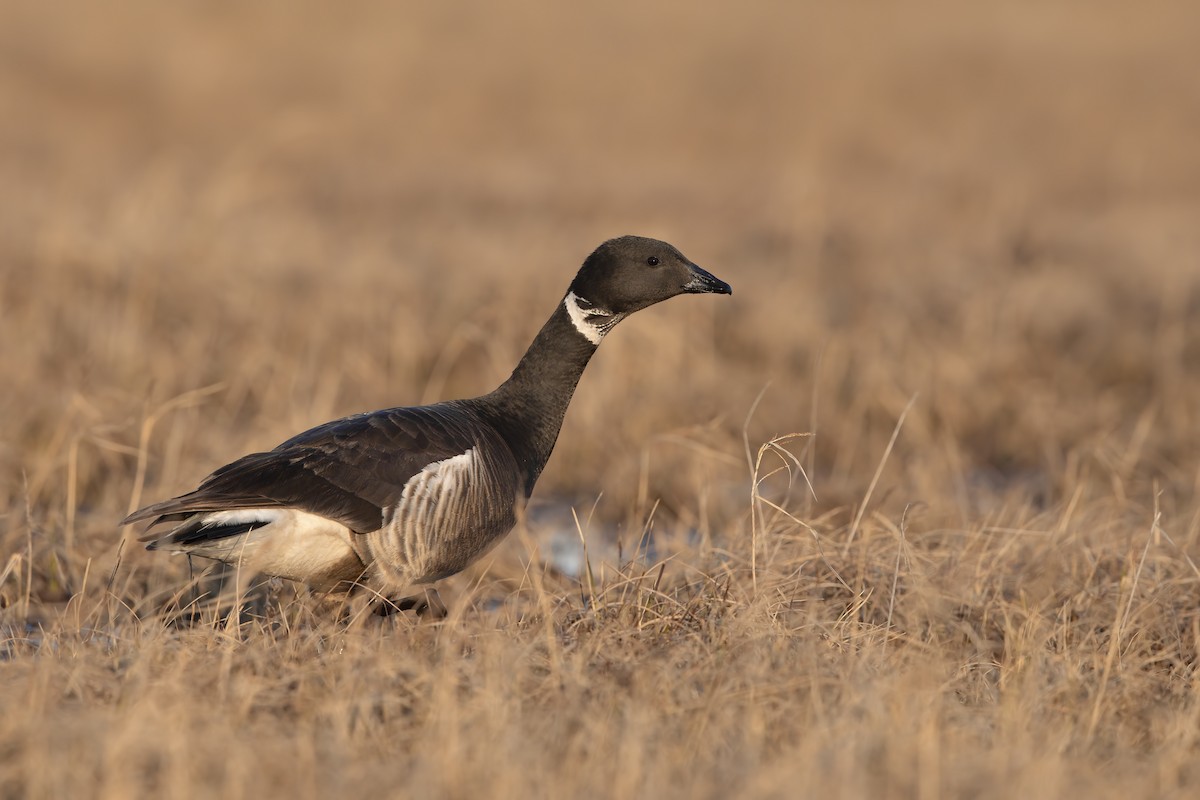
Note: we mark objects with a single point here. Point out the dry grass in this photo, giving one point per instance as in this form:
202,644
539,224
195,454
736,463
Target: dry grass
222,223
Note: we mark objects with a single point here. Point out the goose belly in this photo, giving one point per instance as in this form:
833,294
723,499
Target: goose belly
449,514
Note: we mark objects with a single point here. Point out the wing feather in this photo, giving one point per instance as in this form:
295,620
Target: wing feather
347,470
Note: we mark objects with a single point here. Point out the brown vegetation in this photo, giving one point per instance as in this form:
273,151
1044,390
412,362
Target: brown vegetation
965,251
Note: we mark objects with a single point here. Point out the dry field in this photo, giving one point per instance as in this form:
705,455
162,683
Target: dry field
912,515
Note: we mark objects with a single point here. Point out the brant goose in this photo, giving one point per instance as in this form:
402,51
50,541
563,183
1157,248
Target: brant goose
406,496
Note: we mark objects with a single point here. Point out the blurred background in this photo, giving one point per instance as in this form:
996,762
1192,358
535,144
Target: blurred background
221,223
224,222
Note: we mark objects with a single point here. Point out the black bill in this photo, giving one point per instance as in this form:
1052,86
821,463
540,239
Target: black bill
704,282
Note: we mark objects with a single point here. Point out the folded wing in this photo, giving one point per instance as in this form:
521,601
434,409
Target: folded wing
348,470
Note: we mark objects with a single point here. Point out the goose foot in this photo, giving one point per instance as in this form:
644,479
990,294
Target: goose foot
427,604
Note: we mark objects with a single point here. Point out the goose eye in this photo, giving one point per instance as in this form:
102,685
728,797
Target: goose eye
652,261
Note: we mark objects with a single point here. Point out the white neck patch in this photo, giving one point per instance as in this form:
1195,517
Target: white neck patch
582,314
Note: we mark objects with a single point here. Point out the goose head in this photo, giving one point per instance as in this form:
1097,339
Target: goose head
630,273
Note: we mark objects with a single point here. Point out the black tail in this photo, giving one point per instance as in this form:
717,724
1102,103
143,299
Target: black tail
195,533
